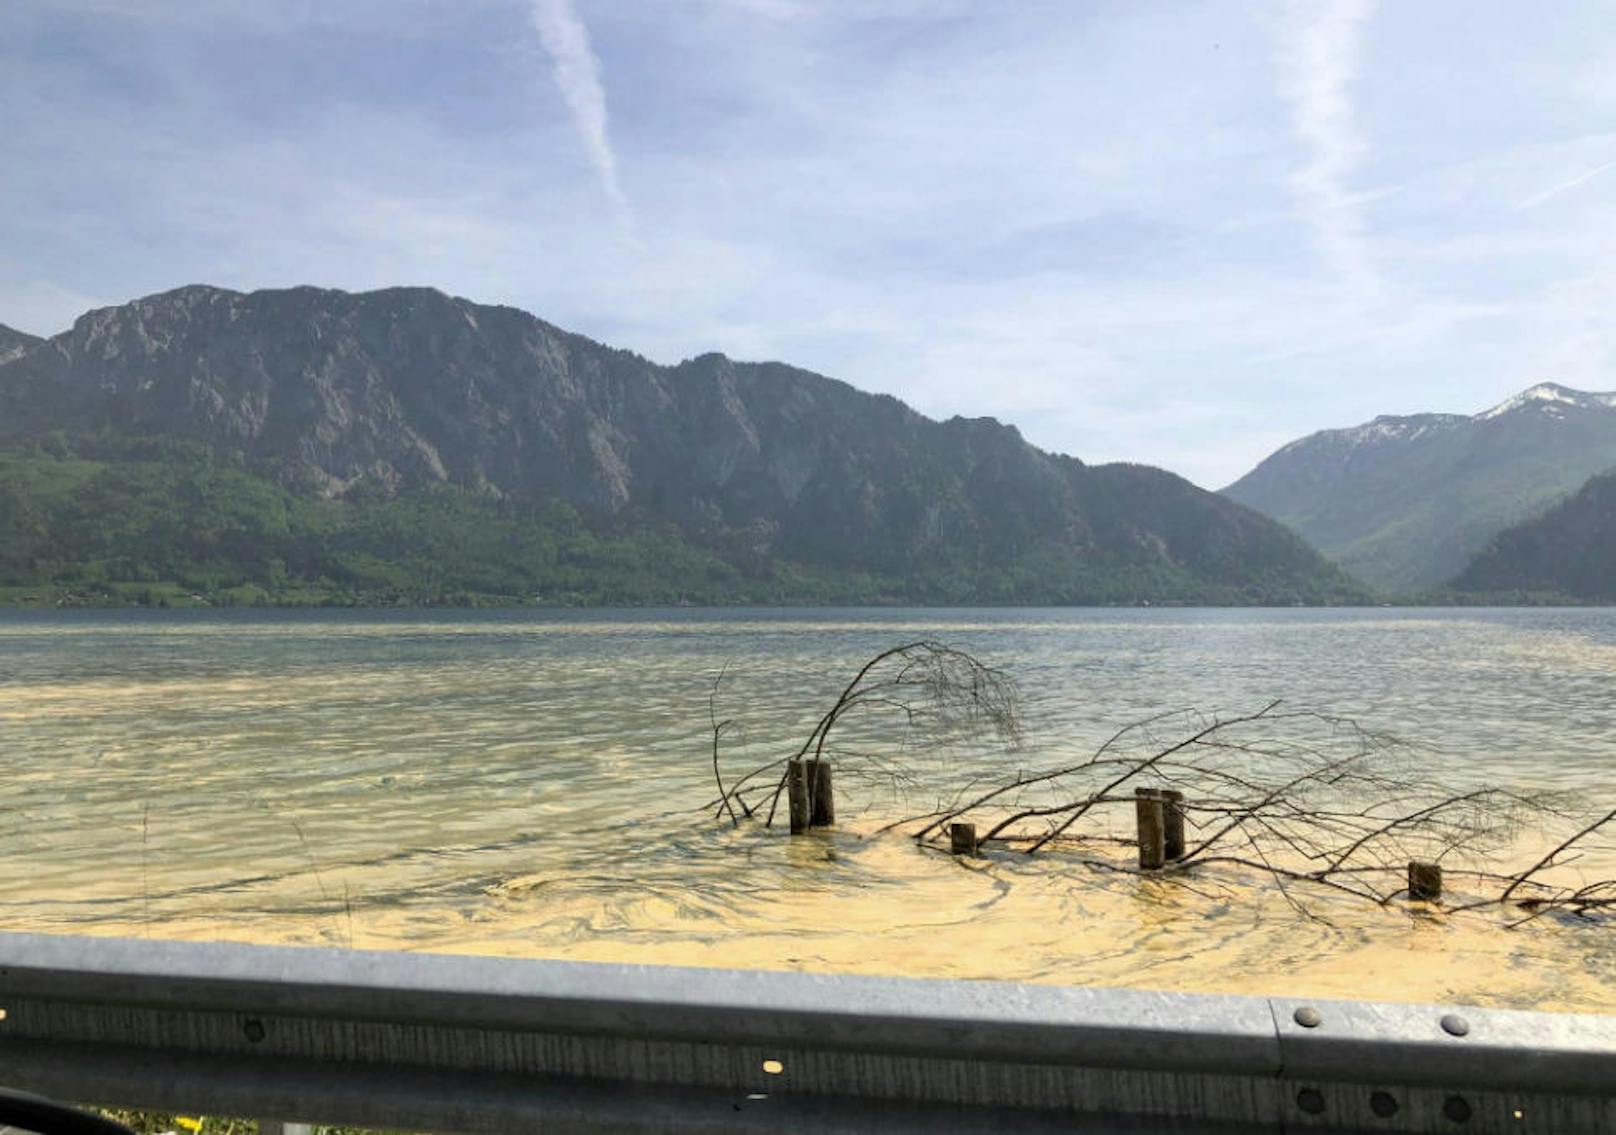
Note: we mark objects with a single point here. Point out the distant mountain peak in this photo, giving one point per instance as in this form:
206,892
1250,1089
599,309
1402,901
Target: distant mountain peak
1551,397
1404,501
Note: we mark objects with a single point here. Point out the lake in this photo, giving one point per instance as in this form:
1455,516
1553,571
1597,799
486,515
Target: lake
536,783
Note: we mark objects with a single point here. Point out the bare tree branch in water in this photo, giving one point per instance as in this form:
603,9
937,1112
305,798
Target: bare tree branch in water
718,733
1550,858
1583,901
925,692
1313,802
1298,796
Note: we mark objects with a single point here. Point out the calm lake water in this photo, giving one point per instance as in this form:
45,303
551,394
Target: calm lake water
533,783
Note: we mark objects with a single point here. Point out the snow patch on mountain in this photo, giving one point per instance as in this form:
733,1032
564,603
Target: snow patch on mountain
1551,398
1383,430
1387,428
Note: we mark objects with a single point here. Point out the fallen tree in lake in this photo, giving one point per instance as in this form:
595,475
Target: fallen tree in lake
937,692
1313,802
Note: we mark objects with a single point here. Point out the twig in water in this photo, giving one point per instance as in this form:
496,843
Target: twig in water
718,732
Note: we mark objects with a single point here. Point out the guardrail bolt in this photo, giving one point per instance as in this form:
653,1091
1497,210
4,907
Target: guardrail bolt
1383,1104
1308,1017
253,1030
1455,1025
1310,1100
1456,1108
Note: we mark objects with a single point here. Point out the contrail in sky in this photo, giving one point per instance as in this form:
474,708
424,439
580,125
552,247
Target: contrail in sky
1318,66
1537,199
577,73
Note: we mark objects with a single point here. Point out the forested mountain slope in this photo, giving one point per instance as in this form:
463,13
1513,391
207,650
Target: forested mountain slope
356,402
1568,552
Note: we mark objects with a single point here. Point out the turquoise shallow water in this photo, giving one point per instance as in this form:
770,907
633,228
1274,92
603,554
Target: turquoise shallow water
418,769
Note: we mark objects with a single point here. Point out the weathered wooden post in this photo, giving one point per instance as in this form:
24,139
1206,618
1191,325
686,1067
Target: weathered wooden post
1173,829
962,838
797,794
1424,880
823,812
1149,809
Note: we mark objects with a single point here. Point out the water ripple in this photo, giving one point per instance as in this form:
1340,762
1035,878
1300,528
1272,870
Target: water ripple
530,783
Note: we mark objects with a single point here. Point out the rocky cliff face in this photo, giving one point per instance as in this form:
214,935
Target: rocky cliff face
407,385
1404,502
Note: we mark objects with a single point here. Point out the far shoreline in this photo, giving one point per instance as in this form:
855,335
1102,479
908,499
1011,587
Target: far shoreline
496,604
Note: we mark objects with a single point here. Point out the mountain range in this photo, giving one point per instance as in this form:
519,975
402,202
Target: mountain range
1404,503
408,445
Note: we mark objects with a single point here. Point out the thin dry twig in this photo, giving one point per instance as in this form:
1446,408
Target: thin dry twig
930,691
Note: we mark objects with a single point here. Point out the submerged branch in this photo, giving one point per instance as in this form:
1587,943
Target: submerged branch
1302,798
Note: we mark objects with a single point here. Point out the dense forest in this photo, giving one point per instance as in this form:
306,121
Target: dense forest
1567,554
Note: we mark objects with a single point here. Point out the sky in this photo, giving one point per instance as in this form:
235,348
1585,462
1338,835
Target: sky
1174,233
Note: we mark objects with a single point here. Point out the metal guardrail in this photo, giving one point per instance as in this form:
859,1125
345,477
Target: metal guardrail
467,1044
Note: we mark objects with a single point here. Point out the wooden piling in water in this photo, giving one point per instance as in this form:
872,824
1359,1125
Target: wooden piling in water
1425,881
797,795
962,838
823,796
1173,824
1150,811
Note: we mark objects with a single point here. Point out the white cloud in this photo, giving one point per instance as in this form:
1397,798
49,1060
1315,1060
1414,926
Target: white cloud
577,74
1318,64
